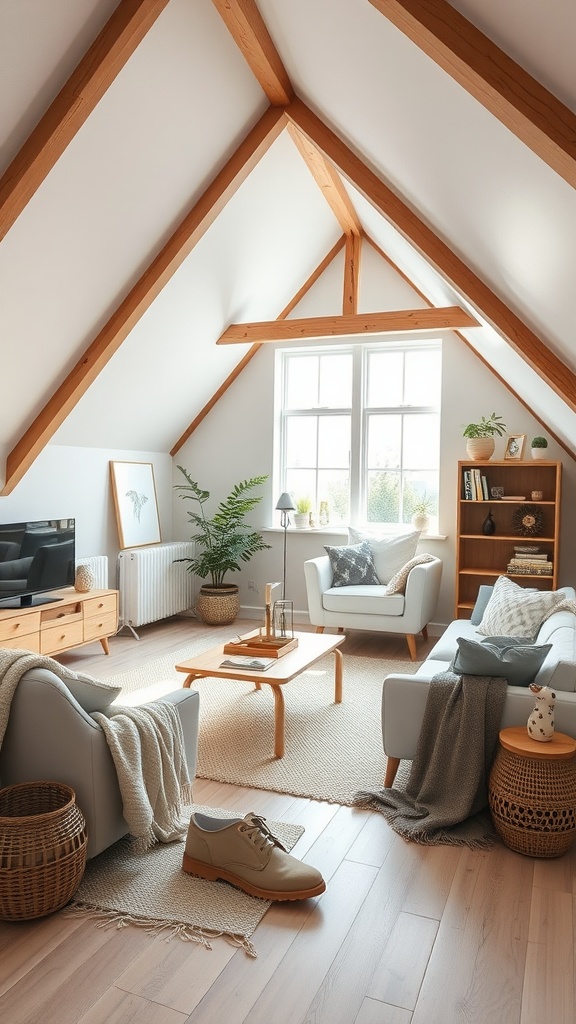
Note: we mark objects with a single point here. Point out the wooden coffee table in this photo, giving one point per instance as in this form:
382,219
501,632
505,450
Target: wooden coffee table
311,647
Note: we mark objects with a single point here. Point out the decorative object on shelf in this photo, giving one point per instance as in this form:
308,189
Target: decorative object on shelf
302,514
222,541
283,620
538,447
513,497
135,503
84,579
541,719
480,444
285,505
537,495
527,520
514,446
497,493
489,526
323,514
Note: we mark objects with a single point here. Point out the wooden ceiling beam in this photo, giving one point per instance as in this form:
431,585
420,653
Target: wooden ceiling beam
329,182
256,347
536,353
100,65
526,107
247,27
351,274
390,322
139,299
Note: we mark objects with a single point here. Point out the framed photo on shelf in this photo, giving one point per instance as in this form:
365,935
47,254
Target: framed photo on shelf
135,503
515,446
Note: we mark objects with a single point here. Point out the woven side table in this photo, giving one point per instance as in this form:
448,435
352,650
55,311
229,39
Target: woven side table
532,793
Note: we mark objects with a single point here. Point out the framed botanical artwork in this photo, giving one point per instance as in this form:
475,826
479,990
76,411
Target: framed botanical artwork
135,503
515,446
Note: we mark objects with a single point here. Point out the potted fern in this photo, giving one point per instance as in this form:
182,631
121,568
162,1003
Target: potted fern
480,436
223,540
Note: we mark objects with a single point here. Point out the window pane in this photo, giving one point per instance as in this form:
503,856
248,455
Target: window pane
421,441
385,373
302,382
334,488
423,377
334,441
384,441
336,381
383,505
301,483
301,441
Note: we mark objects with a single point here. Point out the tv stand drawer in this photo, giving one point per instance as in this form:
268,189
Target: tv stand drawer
73,619
15,624
60,636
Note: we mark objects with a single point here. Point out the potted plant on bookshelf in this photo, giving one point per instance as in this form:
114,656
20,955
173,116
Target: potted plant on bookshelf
223,540
302,513
538,447
480,442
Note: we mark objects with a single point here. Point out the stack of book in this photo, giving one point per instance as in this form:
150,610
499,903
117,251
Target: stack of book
475,485
530,564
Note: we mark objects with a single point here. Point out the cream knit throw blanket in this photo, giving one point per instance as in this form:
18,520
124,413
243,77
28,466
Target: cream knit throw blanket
146,743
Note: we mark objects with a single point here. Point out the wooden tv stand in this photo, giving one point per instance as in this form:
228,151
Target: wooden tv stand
72,620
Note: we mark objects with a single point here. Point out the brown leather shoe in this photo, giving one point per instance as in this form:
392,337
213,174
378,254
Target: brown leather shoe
243,851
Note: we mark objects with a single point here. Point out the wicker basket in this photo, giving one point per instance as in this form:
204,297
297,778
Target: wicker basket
218,606
533,804
42,849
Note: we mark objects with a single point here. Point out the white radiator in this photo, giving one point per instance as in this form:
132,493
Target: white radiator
98,564
151,585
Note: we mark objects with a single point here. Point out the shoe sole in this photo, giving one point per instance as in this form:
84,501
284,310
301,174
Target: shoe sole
213,874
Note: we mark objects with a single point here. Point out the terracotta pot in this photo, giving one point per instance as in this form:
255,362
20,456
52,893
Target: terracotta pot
218,606
480,448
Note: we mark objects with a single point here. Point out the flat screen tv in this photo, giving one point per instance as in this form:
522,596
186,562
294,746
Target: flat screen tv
35,558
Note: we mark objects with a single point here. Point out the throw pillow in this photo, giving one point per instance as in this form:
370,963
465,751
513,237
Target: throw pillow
91,694
352,565
482,598
514,611
389,552
518,663
398,582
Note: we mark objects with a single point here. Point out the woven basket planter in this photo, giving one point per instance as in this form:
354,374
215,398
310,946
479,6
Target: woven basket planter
42,849
479,448
218,606
533,804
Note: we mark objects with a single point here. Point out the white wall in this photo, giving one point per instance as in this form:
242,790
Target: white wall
67,483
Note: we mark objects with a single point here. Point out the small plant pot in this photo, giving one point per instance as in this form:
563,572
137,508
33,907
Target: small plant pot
480,448
421,521
539,453
301,520
218,606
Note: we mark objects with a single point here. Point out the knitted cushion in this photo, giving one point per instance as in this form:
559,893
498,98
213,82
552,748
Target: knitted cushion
352,565
397,584
514,611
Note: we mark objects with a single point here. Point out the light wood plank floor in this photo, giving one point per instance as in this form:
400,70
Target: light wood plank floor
404,934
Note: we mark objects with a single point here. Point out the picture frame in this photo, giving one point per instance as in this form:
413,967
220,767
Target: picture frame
135,503
515,446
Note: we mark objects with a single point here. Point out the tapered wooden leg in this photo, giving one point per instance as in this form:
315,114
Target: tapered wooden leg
338,676
391,769
104,642
411,641
319,629
278,721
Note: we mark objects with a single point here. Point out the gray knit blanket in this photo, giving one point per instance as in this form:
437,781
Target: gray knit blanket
446,795
146,744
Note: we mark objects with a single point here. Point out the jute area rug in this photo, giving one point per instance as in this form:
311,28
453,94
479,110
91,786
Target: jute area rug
124,887
332,750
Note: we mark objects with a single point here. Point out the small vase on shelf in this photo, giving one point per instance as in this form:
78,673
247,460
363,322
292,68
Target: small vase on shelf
489,526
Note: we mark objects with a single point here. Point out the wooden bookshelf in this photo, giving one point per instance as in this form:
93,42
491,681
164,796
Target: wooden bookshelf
481,558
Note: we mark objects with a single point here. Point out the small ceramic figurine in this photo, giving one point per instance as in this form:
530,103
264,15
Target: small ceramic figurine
541,721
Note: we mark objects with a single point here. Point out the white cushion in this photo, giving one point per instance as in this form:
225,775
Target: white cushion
389,552
363,601
514,611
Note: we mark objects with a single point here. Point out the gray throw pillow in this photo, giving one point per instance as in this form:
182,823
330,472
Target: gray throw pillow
482,598
352,565
92,694
516,661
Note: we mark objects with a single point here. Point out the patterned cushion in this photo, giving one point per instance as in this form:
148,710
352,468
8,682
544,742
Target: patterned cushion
515,661
352,565
389,552
514,611
397,584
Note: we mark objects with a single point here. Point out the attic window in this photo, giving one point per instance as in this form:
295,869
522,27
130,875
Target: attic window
358,428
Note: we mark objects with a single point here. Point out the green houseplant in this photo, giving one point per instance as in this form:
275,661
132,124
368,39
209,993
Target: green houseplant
480,436
538,447
421,511
223,540
302,514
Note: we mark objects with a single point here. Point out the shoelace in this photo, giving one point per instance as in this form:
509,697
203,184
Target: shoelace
258,832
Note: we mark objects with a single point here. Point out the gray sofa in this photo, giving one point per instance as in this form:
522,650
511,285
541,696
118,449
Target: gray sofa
404,696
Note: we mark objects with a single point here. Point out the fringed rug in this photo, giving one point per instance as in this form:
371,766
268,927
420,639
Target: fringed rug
123,887
332,750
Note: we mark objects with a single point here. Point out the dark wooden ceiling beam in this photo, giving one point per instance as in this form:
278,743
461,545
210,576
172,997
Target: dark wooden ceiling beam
100,65
526,107
246,25
488,306
139,299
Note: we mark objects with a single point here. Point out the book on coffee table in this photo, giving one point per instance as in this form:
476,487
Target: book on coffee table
248,664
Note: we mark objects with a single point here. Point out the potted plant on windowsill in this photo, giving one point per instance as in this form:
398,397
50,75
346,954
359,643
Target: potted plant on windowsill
302,513
421,510
538,447
480,436
222,542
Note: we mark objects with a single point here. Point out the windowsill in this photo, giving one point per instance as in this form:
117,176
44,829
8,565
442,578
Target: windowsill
337,531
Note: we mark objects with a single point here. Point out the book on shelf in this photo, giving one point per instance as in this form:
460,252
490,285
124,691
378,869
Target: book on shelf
530,569
485,491
533,557
477,484
467,485
248,664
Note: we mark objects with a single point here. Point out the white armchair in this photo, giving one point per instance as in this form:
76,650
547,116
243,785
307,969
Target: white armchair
369,607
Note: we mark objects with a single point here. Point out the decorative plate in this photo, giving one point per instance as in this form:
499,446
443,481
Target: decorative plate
527,520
